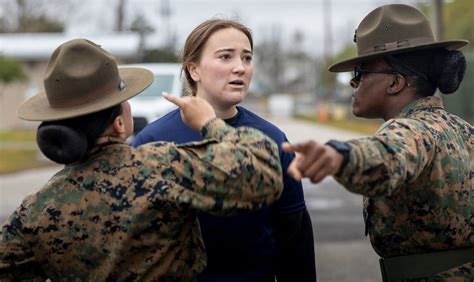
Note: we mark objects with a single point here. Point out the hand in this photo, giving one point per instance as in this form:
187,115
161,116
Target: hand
195,111
313,160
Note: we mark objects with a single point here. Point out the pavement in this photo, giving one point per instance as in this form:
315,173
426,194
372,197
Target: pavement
343,253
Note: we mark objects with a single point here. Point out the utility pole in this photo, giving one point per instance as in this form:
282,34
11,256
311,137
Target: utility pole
323,111
165,13
437,8
120,16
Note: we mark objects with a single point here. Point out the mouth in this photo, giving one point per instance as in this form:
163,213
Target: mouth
238,83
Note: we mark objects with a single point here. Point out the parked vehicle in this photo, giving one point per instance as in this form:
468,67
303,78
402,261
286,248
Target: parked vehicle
150,104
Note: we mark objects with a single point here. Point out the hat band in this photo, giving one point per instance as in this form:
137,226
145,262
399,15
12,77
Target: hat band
84,98
397,44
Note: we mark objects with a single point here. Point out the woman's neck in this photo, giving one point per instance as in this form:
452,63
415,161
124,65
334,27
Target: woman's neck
227,113
223,112
109,139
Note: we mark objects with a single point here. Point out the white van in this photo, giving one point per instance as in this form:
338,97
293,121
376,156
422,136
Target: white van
150,104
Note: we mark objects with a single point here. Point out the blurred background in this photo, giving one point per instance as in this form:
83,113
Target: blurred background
294,42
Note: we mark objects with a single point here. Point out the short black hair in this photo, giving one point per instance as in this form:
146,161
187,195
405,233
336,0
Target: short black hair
431,69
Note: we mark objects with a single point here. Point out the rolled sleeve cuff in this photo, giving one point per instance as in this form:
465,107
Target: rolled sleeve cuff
215,128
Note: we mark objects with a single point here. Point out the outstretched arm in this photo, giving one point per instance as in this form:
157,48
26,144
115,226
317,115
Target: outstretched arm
313,160
231,170
376,166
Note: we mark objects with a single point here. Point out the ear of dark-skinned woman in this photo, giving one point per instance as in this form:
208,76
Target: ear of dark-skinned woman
60,143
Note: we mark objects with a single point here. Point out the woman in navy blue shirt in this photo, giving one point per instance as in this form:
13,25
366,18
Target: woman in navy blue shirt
273,242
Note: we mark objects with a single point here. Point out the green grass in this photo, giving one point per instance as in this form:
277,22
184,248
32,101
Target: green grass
13,160
362,126
17,135
18,151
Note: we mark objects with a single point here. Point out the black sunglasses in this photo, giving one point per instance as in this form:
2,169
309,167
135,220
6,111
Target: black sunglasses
358,72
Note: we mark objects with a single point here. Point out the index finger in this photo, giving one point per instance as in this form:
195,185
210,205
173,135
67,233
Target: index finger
298,147
287,147
173,99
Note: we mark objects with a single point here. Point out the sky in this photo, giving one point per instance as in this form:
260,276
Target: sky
264,17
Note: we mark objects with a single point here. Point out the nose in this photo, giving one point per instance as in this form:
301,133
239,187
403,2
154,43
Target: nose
239,67
354,83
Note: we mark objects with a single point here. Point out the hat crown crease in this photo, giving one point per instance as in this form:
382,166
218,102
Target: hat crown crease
390,27
78,74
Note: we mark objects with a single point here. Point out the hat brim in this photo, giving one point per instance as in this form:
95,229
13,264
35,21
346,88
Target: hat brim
349,64
37,108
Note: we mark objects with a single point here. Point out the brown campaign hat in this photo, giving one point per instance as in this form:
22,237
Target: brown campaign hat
391,29
82,78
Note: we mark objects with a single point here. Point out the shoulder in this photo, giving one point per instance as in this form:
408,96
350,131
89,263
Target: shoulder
167,121
157,128
152,151
253,120
403,126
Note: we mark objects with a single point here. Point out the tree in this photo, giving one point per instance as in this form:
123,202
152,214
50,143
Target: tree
161,55
269,55
10,70
32,16
143,27
458,24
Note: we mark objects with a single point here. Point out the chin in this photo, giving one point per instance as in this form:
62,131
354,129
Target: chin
235,98
356,113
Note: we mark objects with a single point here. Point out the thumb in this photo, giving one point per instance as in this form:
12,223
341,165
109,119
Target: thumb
293,170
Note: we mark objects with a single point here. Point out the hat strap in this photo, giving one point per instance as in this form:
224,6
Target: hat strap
398,44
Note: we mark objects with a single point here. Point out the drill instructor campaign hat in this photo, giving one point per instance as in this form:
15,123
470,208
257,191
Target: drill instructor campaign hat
392,29
82,78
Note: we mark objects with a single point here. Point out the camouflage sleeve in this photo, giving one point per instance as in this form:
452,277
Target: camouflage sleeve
394,156
17,261
231,170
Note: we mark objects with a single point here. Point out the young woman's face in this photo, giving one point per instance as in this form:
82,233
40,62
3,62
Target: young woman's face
225,69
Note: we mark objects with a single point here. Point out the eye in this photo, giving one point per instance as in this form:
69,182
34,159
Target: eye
248,58
225,57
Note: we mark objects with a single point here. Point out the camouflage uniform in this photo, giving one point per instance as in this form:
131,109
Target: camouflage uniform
416,175
131,214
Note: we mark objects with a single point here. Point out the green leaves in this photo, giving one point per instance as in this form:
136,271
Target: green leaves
10,70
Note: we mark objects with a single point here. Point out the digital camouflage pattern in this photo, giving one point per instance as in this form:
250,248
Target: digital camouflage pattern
131,214
416,175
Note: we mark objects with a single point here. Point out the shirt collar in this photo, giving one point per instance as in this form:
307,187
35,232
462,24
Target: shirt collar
424,103
97,149
233,120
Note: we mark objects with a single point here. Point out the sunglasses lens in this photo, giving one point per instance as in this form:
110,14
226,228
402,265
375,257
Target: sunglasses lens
357,73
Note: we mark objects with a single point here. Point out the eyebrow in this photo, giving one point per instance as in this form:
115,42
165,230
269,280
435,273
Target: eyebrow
233,50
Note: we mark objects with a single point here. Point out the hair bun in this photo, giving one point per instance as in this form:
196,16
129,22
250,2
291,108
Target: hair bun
60,143
453,72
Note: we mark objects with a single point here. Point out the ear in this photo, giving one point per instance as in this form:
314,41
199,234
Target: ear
194,71
119,125
397,83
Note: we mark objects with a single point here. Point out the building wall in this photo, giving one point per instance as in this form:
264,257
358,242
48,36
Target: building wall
13,94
